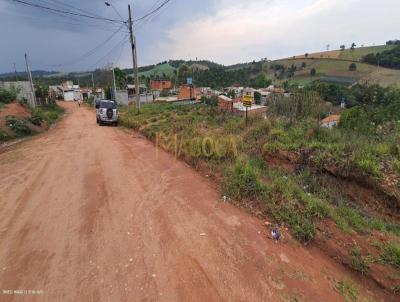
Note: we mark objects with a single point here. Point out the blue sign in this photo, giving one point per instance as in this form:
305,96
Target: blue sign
189,81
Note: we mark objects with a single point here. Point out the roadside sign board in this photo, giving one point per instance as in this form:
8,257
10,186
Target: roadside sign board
189,81
247,100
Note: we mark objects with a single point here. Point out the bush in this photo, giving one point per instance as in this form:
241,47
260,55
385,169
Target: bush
355,119
7,95
3,136
348,289
391,254
242,181
36,119
396,166
90,101
352,67
358,263
366,162
18,126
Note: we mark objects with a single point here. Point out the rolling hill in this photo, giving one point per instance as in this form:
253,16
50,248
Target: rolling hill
333,66
330,66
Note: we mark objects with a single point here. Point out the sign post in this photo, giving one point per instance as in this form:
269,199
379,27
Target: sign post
189,82
247,102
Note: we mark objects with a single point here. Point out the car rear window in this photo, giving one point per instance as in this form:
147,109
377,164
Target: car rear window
108,105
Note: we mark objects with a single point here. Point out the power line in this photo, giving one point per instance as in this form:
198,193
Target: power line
75,8
87,54
139,25
66,12
153,11
120,44
56,21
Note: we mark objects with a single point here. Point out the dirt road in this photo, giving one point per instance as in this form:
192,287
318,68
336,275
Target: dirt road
88,213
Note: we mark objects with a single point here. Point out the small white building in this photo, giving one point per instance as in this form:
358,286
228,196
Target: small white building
71,92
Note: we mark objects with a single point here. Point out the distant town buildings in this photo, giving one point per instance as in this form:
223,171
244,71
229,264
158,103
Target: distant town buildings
160,85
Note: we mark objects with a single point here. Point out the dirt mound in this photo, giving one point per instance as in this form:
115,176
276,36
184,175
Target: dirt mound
15,109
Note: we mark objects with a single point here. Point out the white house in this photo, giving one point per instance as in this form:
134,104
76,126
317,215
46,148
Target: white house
71,92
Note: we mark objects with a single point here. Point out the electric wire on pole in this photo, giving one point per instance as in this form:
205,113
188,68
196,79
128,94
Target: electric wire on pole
134,59
33,99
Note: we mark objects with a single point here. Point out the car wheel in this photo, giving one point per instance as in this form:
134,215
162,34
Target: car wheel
116,124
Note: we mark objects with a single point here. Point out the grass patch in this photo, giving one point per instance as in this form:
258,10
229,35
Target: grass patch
391,254
297,200
348,289
242,181
49,113
358,262
19,127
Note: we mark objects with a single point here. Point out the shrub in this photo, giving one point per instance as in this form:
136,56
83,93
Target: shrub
8,95
36,119
304,230
396,166
353,67
3,136
391,254
18,126
358,263
242,181
366,162
355,119
272,148
348,289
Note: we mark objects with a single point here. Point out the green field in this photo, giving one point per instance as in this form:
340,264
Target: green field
159,70
358,53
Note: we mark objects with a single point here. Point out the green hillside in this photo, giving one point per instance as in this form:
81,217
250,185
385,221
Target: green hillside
159,70
333,66
360,52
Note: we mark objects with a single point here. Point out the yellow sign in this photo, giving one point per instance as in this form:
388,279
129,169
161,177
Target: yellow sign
247,100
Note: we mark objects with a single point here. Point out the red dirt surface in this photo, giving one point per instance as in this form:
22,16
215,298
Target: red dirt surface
89,213
19,111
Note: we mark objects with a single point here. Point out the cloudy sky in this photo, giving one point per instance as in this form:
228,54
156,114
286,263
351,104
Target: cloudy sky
224,31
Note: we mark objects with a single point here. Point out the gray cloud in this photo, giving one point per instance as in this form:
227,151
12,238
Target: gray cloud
226,31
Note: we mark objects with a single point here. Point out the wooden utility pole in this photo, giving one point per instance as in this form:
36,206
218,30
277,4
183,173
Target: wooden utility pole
15,70
134,59
93,82
31,81
114,86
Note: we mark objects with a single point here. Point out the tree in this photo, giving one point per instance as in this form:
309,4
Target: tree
231,94
261,81
356,119
120,78
303,65
342,47
257,97
353,46
7,95
183,73
353,67
306,55
313,72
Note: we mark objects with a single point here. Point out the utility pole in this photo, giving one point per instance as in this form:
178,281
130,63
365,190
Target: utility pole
31,81
115,88
134,59
15,70
92,81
